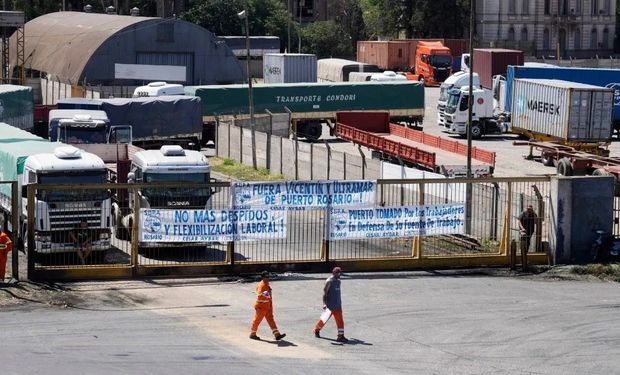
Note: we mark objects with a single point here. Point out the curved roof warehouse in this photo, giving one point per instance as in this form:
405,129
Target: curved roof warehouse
76,47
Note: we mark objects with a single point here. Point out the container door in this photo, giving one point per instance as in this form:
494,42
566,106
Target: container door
601,115
579,115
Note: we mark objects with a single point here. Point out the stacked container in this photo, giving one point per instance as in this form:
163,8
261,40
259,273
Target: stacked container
489,62
563,110
289,68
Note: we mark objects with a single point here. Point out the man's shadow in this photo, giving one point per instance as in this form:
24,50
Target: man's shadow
352,341
280,343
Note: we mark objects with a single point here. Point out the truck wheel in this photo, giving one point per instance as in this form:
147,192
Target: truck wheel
602,172
547,159
312,131
476,130
565,168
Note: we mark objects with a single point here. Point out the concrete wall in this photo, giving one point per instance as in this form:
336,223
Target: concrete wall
578,207
315,161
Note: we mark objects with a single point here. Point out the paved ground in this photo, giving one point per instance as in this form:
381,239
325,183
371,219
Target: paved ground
401,323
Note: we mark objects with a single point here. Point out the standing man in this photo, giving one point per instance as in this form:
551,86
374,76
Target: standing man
6,245
332,304
264,308
80,236
527,223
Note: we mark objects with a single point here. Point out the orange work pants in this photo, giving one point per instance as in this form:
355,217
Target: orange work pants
337,314
3,257
266,313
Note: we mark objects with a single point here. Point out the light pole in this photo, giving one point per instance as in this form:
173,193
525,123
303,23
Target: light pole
470,104
244,15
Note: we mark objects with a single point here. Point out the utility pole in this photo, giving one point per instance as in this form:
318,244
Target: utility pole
470,105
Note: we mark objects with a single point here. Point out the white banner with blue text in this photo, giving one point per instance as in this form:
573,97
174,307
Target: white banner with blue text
187,225
397,221
300,195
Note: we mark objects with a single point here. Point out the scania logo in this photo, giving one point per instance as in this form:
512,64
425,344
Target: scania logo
178,203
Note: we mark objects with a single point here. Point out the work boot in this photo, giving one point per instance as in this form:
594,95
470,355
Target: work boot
254,337
341,338
280,336
317,333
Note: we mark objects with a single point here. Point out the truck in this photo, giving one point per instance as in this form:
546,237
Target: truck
311,104
433,63
170,163
586,125
29,159
388,75
154,121
78,126
17,106
338,70
159,88
455,81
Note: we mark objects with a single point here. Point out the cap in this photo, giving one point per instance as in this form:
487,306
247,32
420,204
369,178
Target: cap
264,274
337,269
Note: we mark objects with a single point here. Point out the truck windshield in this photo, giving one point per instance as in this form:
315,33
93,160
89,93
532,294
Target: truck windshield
180,192
73,135
453,102
73,193
444,91
441,61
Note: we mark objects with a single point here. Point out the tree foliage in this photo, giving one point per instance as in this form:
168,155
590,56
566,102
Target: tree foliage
326,39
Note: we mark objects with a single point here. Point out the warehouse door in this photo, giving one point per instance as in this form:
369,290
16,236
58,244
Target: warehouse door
170,58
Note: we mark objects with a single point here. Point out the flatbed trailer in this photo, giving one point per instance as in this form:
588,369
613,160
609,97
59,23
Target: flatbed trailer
570,161
444,156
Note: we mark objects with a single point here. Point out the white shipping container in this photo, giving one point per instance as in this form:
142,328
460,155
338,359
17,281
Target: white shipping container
567,111
289,68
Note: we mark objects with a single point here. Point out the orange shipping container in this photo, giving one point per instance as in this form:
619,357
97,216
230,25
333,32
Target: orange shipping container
387,55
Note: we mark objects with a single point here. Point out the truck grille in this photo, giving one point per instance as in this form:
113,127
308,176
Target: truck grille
68,219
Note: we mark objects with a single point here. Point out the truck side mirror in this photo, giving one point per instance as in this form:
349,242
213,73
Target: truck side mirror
120,134
131,177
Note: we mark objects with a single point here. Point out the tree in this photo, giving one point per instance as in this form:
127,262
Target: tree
382,17
348,14
439,18
326,39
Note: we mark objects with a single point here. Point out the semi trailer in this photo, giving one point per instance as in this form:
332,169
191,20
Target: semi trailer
311,104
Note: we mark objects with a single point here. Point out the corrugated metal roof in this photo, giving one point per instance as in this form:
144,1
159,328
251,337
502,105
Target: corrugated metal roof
61,43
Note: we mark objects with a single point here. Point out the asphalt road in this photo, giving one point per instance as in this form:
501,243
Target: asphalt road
405,323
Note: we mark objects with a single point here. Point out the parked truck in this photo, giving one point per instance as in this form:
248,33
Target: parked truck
433,63
455,81
154,121
168,164
312,104
339,70
17,106
29,159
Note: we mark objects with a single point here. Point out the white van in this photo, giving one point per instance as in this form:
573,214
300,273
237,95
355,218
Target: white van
158,89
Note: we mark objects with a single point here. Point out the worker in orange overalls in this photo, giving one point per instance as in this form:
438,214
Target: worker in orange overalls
264,308
6,245
332,305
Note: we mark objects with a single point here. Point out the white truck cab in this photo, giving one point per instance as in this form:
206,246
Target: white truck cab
483,120
158,89
169,164
455,81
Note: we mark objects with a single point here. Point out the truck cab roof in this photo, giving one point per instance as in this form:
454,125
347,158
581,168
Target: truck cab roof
65,158
171,158
57,114
159,89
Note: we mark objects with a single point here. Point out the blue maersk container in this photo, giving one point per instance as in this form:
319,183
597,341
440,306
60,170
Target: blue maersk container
598,77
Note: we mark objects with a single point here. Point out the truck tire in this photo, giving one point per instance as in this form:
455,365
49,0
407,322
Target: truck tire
602,172
476,130
311,130
547,159
565,168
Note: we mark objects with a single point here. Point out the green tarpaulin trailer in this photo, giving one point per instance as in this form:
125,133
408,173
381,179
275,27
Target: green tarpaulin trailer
313,103
17,106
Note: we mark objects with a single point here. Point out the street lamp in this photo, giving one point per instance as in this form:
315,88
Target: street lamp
244,16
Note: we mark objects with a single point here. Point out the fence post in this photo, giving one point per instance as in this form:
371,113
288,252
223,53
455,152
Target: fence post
135,237
416,249
359,149
329,157
268,156
15,198
344,165
311,159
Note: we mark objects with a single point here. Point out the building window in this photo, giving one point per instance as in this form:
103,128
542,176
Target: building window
563,7
594,7
512,6
577,39
593,39
547,7
578,7
605,41
511,34
546,39
608,7
525,7
524,34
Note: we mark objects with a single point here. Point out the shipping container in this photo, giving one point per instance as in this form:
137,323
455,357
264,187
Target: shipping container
289,68
17,106
563,110
592,76
338,70
457,46
387,55
489,62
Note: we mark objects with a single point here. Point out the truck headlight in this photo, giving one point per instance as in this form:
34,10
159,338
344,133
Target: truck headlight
104,236
42,238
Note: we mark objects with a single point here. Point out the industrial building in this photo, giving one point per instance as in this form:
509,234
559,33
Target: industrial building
88,49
